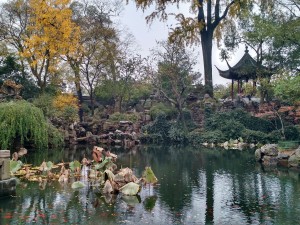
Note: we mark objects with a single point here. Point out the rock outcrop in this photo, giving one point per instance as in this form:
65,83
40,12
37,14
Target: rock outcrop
269,155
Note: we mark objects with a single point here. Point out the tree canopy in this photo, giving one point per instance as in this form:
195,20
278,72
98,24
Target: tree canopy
209,22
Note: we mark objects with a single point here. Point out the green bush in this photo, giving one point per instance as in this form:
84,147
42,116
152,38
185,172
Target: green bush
151,138
216,121
232,129
194,136
274,136
159,108
177,134
116,117
197,136
69,114
253,136
55,137
160,126
291,133
213,137
44,102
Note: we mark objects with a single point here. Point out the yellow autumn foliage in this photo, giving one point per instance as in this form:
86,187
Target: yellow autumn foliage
62,101
51,33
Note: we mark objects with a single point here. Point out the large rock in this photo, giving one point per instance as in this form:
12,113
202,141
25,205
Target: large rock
297,152
258,155
294,161
269,150
269,160
283,155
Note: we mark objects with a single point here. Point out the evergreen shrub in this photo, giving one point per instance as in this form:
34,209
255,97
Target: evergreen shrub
216,121
159,108
177,133
158,128
254,136
117,116
215,136
291,133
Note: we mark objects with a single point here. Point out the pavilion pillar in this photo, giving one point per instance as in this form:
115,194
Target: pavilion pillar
254,86
239,88
232,83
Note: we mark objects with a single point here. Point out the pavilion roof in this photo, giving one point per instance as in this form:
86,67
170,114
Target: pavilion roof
245,69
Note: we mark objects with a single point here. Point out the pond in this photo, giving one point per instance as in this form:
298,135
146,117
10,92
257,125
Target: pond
196,186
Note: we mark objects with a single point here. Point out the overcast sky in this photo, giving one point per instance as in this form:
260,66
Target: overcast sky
146,37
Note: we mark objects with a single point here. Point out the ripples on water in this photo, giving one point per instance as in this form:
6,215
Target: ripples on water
196,186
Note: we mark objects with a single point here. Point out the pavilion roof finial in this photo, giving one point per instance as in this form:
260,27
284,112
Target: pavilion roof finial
246,50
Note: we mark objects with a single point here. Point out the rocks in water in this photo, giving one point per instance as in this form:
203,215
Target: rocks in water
258,155
269,150
269,160
267,154
294,160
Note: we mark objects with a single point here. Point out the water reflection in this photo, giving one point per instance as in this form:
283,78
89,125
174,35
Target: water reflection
196,186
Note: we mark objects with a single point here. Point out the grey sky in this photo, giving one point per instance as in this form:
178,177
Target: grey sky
146,37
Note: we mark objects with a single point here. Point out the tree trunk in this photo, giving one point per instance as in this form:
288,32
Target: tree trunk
92,103
76,70
79,96
206,44
209,212
118,104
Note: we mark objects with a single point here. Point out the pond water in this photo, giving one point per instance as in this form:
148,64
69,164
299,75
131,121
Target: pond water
196,186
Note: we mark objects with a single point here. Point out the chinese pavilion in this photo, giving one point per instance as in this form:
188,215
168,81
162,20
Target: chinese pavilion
246,69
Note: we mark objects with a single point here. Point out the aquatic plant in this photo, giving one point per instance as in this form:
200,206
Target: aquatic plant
102,175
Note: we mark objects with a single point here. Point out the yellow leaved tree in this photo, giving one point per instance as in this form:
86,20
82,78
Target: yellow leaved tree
66,107
52,34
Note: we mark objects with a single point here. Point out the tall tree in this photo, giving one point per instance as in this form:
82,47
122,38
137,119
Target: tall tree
40,31
14,20
175,74
270,28
208,23
97,35
121,87
52,34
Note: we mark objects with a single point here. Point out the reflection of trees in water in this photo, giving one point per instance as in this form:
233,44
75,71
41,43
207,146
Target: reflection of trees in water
178,174
190,180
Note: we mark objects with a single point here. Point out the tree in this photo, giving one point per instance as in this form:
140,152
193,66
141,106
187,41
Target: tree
270,29
41,32
121,85
14,20
96,40
208,23
12,70
175,74
287,88
22,123
52,34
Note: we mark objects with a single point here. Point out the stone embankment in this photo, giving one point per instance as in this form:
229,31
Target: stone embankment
270,155
122,133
